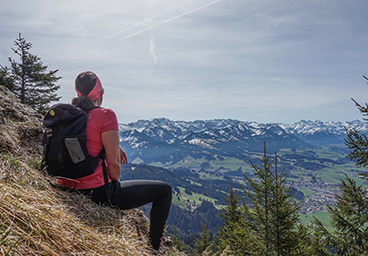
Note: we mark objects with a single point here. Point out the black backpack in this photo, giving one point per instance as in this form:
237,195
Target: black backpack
65,150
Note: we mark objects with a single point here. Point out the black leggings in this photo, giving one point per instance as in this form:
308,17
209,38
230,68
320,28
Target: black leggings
134,193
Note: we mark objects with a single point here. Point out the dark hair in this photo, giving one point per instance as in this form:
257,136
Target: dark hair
84,83
83,102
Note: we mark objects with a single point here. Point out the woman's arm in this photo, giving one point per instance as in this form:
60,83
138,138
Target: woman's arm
114,154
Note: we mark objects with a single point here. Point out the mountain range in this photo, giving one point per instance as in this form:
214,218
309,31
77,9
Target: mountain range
166,141
322,133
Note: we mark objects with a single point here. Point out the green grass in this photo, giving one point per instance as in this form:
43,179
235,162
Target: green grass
324,217
194,200
229,163
210,176
306,218
307,192
220,165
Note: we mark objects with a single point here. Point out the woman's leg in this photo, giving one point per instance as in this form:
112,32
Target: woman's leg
134,193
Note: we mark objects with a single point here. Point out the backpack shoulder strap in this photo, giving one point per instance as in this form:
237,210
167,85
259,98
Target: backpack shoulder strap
104,170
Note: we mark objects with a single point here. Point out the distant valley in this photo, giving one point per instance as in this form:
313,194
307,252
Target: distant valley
201,158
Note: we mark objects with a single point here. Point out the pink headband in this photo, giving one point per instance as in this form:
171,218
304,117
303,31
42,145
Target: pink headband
96,92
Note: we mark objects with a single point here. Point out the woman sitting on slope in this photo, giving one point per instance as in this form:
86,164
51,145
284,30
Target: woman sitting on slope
102,132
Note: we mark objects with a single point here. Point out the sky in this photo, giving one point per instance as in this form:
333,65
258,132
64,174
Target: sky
264,61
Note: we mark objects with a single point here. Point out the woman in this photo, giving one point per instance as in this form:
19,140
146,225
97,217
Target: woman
102,132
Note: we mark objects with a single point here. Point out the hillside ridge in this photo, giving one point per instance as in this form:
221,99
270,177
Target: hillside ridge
40,218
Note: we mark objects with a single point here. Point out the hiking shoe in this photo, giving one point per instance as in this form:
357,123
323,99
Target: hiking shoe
157,252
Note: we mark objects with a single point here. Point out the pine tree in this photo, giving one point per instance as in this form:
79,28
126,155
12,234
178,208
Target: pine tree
231,213
272,215
29,79
349,220
5,80
203,242
177,241
358,143
287,237
349,216
234,232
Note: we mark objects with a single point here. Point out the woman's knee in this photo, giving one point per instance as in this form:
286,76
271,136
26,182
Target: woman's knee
167,189
163,186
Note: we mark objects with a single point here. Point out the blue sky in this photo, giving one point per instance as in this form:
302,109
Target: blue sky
264,61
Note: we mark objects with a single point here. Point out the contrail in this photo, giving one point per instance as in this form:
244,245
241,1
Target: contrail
287,13
121,31
173,18
152,48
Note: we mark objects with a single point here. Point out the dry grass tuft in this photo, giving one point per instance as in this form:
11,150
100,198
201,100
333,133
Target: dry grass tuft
42,220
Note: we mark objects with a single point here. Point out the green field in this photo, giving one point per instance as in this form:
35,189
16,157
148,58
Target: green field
192,201
324,217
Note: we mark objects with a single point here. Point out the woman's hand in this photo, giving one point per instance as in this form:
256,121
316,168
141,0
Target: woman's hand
123,156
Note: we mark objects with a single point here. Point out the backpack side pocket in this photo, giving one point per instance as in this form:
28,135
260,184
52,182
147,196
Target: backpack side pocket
75,150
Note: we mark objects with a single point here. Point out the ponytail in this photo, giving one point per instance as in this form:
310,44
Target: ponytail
83,102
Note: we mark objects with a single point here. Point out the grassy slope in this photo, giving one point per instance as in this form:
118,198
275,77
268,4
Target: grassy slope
37,218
